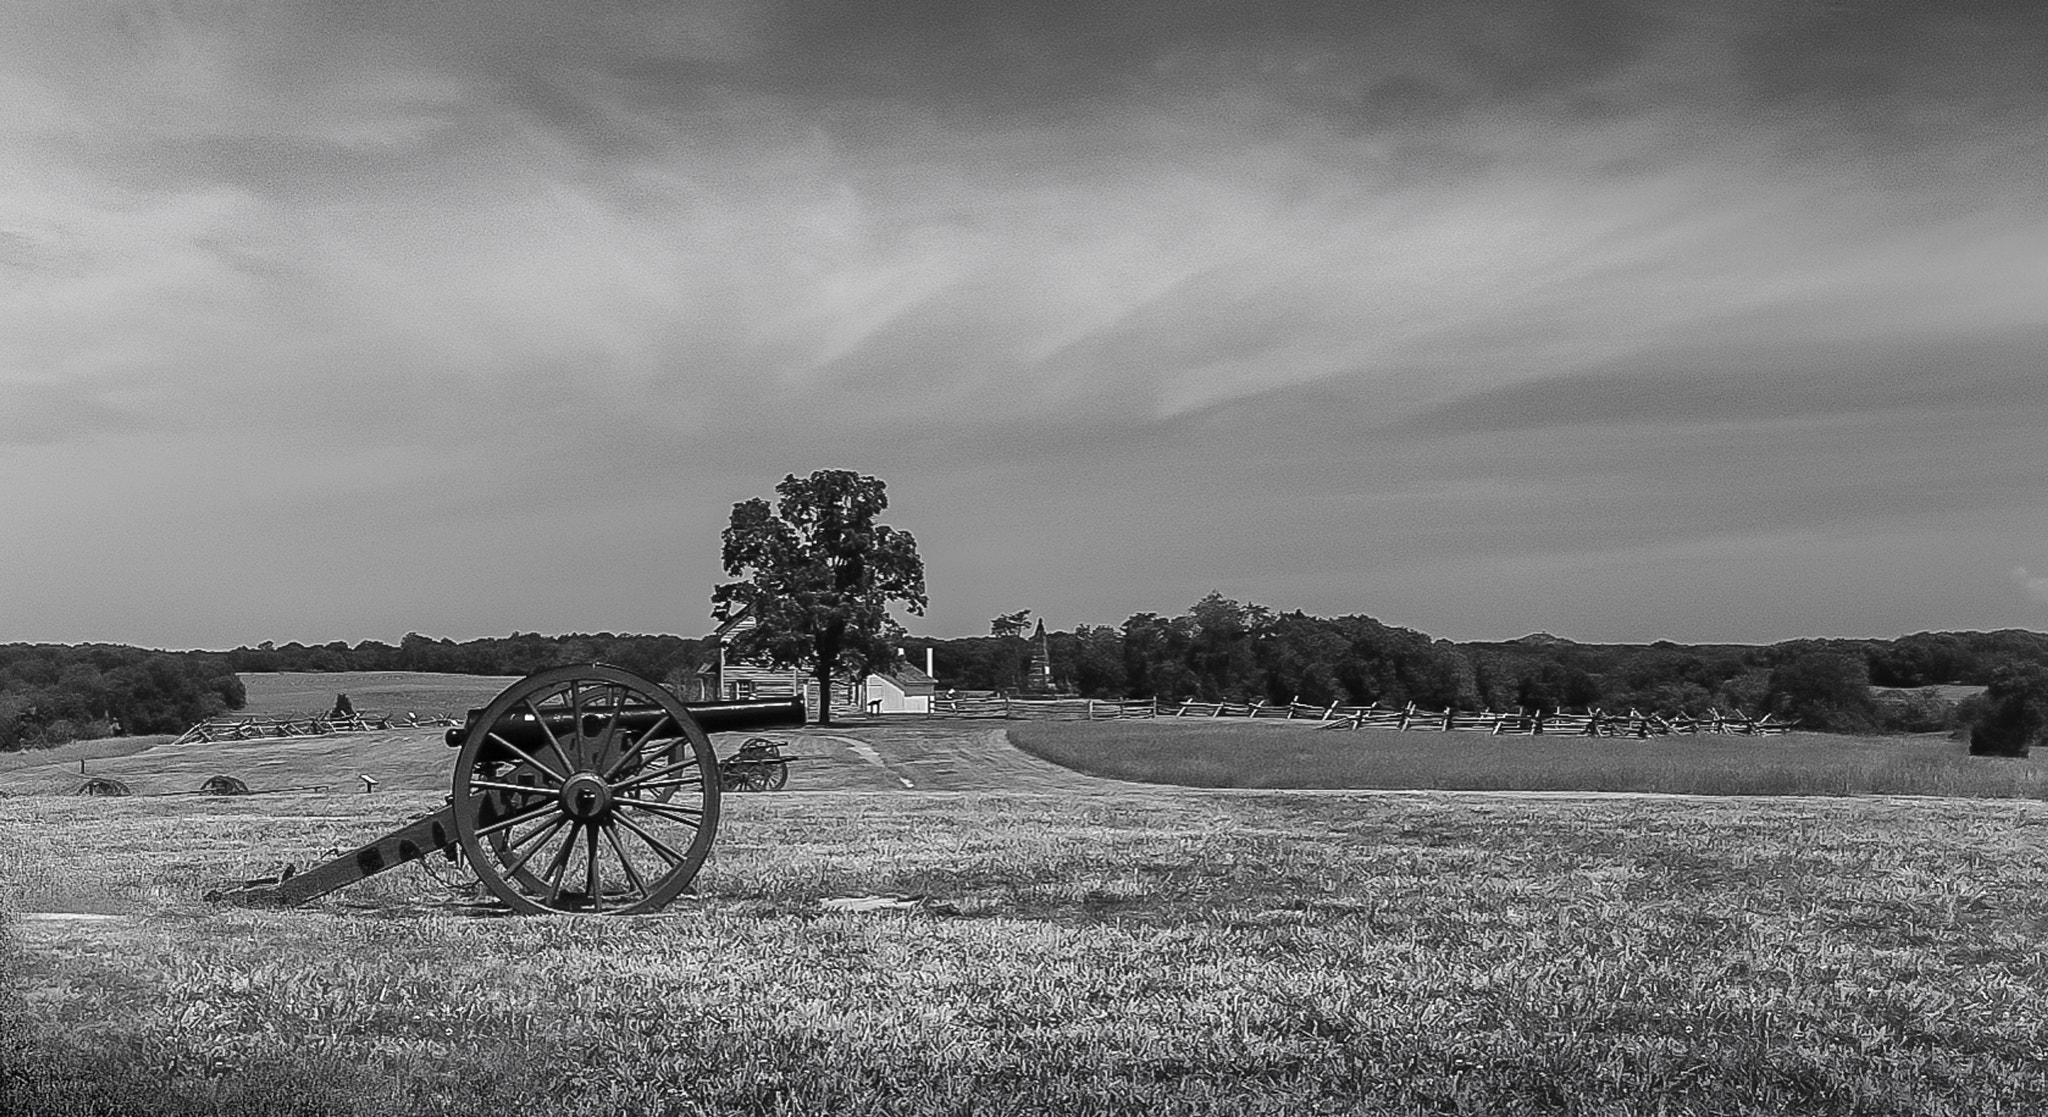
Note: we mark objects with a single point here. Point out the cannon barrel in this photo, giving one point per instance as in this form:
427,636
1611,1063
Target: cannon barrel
711,717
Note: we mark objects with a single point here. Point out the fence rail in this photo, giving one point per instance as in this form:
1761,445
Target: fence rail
277,728
1519,723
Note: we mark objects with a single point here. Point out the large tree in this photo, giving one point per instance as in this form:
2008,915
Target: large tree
819,574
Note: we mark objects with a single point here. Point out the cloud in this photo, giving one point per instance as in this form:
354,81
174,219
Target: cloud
2035,588
1490,275
773,206
1771,381
47,414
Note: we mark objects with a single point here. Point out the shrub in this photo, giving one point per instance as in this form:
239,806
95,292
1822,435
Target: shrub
2015,711
1825,690
1916,711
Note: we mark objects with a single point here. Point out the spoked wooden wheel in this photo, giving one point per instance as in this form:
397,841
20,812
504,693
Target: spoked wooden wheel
586,789
758,766
771,770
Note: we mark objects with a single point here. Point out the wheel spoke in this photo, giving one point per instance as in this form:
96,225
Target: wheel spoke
661,848
680,816
590,883
618,706
518,863
685,815
626,863
658,785
584,748
648,778
522,754
560,865
509,821
515,788
568,765
626,756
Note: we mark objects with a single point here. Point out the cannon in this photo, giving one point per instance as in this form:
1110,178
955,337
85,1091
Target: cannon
759,765
578,789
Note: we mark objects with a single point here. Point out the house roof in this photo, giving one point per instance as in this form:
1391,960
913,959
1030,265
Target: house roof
731,622
909,679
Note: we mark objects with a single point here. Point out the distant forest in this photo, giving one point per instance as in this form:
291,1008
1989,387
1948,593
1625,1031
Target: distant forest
53,693
1219,650
1223,650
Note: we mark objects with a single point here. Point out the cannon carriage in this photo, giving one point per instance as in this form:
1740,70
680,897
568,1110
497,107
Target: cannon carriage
758,765
578,789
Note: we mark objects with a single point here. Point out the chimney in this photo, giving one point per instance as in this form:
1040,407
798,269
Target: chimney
928,663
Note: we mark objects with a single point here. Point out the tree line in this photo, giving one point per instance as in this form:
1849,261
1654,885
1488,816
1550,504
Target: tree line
1218,650
53,693
1225,650
660,657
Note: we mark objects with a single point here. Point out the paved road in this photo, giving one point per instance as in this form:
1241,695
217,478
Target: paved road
924,756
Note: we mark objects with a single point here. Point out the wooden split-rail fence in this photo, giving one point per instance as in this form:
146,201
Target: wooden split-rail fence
299,725
1522,723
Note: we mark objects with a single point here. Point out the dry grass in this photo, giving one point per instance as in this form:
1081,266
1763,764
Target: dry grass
1281,754
1140,951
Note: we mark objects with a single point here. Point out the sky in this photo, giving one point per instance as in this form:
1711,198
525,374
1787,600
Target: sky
1622,321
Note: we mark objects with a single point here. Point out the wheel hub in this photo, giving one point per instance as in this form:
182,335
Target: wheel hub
586,797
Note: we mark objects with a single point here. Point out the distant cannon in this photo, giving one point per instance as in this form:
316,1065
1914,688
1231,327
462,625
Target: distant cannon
759,765
578,789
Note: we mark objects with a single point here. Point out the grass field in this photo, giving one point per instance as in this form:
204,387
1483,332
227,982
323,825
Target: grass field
393,693
1072,944
1136,951
1279,754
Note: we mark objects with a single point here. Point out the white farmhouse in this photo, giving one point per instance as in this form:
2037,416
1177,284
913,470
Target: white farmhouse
903,689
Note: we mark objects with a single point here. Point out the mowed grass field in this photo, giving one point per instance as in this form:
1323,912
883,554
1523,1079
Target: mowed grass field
1065,944
1282,754
1125,951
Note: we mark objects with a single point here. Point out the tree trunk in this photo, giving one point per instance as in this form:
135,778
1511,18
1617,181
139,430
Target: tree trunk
829,643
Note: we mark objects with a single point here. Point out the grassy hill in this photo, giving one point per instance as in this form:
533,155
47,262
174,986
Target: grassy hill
394,693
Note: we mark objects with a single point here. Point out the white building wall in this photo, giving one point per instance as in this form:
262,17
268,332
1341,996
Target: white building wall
885,697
